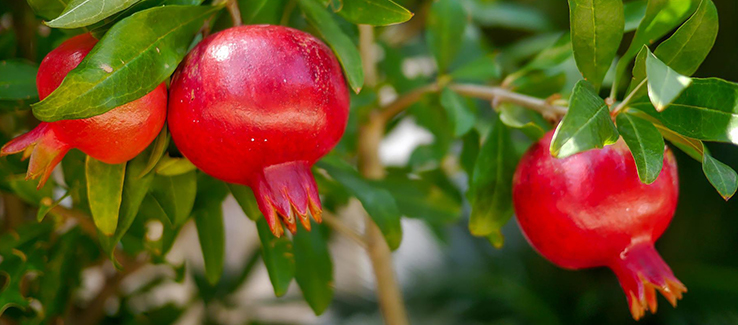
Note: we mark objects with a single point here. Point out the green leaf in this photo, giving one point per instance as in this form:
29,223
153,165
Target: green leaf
491,185
483,69
706,110
378,202
596,31
686,49
160,145
664,84
133,58
17,80
169,166
245,198
211,234
176,195
460,115
587,124
135,186
313,269
374,12
104,192
661,17
262,11
341,44
445,26
527,121
208,214
426,196
46,205
24,233
720,175
81,13
634,13
48,9
510,15
645,143
27,189
553,55
278,257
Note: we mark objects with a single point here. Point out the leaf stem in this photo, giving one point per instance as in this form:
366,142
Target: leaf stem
344,229
628,99
388,292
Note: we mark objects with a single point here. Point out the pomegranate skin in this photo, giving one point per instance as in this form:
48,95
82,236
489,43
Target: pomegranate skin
113,137
259,105
591,209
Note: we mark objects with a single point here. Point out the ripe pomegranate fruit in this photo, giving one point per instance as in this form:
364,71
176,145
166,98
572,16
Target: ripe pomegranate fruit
590,209
258,106
113,137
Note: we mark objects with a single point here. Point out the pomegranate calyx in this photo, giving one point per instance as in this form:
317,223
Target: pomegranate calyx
641,271
287,191
44,148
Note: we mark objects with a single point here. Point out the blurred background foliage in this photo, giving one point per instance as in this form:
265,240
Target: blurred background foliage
457,278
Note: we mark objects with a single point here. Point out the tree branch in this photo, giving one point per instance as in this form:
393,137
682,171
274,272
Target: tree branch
504,95
342,228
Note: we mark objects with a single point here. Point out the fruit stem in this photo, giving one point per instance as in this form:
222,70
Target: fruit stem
388,292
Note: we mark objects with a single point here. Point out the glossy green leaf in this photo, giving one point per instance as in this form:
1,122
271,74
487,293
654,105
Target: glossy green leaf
510,15
459,113
587,124
176,195
445,24
374,12
17,80
483,69
262,11
99,29
687,48
706,110
527,121
133,58
136,184
250,9
645,143
245,198
425,196
169,166
664,84
634,13
720,175
157,150
104,193
341,44
278,256
27,189
471,144
596,31
491,185
48,9
208,215
378,202
313,268
81,13
552,55
661,17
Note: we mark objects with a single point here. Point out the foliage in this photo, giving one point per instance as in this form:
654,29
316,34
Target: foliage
485,78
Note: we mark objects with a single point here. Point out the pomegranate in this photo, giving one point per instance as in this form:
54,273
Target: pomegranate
113,137
258,106
590,210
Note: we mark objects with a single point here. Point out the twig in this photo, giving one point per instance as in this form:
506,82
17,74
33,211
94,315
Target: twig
342,228
628,99
232,6
504,95
388,112
370,135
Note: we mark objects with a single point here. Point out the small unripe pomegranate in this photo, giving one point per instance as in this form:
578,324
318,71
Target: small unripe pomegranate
258,106
113,137
590,210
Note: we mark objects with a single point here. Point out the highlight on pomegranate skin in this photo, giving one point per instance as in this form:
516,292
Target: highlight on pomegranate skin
113,137
259,105
591,210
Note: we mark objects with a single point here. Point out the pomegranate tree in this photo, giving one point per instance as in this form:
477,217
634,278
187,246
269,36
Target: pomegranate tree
113,137
590,210
258,106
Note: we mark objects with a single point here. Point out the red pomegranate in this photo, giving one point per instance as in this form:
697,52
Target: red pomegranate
258,106
590,210
113,137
